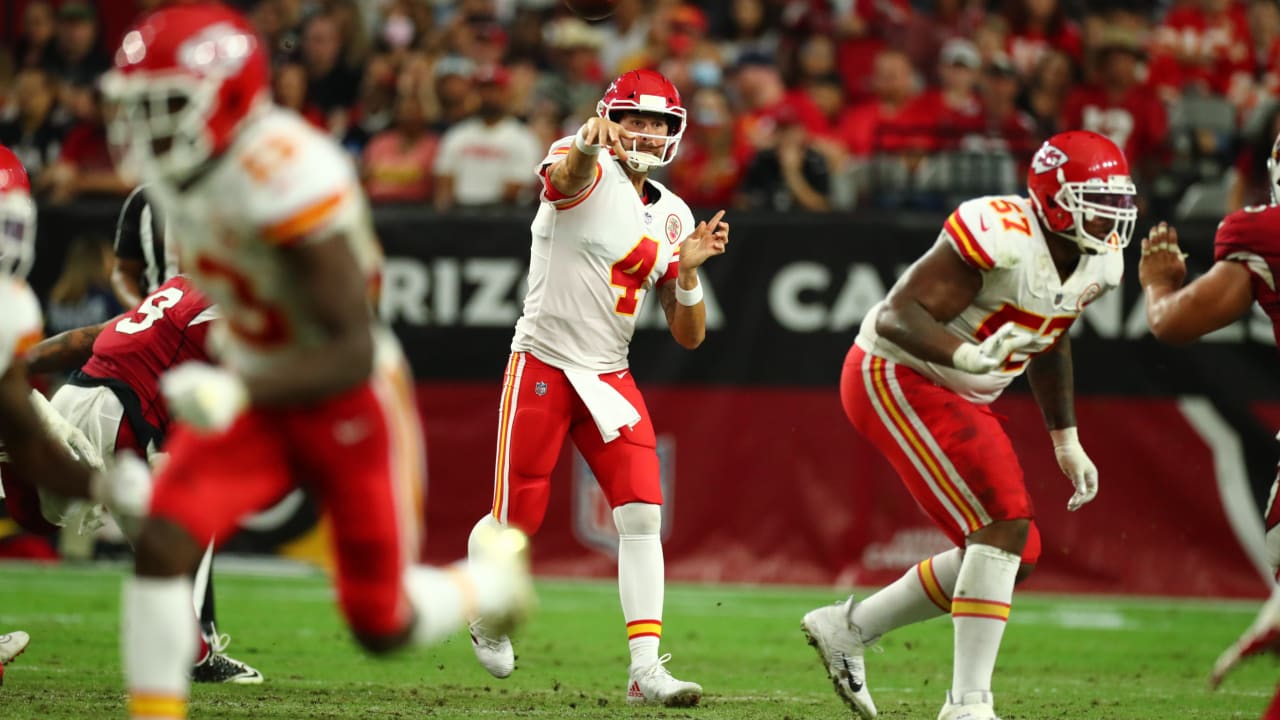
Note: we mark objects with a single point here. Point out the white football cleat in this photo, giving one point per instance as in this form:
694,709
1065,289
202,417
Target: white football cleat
654,685
12,645
501,557
841,648
975,705
495,654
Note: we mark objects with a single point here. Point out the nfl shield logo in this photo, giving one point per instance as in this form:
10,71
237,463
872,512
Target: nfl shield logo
592,516
540,388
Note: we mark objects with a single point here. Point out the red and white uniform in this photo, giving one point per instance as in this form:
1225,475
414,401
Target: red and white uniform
359,452
595,256
21,326
21,323
933,422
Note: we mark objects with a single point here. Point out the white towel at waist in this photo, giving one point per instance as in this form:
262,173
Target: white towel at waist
607,406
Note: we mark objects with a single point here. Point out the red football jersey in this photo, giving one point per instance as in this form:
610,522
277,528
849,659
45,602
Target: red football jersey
1249,236
169,327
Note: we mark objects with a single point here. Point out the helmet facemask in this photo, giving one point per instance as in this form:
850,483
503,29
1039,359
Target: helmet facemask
158,125
1094,199
17,234
667,145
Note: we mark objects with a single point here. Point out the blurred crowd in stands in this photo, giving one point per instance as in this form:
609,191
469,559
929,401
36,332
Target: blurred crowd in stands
808,105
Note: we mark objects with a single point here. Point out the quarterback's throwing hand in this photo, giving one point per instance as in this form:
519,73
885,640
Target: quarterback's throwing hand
1076,465
1162,263
992,352
708,239
607,133
205,396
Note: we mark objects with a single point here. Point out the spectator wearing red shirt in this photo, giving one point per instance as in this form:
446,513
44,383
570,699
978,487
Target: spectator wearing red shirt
1121,107
397,163
1201,44
863,29
712,156
882,123
952,110
763,96
1036,27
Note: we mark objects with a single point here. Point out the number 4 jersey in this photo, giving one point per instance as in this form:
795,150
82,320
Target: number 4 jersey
169,327
595,257
1000,237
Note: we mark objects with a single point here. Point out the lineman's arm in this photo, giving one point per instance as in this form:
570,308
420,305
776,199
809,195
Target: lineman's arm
1050,375
337,297
64,351
933,291
1178,314
36,453
572,174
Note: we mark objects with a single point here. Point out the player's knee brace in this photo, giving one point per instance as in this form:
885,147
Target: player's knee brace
638,519
488,521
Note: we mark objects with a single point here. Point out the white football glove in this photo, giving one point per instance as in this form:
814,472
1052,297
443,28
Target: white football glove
70,435
125,490
1076,465
992,352
205,396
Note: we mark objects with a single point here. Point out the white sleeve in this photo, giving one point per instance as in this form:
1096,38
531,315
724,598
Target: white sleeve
310,193
21,324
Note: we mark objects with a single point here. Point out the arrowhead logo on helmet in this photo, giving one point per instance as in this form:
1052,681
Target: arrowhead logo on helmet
1048,158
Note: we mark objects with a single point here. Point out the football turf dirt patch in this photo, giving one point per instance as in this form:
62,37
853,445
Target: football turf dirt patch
1064,657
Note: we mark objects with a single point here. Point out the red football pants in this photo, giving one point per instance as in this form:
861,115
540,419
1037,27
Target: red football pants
539,408
952,454
361,456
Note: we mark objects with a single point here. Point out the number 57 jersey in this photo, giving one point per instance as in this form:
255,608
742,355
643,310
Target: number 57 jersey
595,256
1000,237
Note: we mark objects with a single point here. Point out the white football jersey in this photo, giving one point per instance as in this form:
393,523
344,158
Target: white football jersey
21,324
1000,236
280,182
595,257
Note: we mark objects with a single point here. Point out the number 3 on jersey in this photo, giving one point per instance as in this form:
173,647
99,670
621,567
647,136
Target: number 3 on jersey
631,272
151,310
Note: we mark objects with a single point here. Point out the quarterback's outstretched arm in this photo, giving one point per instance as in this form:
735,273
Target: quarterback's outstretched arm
335,293
933,291
577,170
64,351
1182,315
31,448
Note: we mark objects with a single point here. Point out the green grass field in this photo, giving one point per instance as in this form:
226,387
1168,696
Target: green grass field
1063,657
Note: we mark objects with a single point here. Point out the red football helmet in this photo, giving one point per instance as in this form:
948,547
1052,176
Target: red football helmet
185,78
17,217
1077,177
651,92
